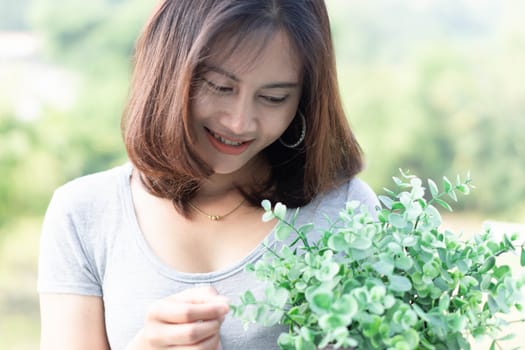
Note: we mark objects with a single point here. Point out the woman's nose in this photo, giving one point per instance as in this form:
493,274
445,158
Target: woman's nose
241,119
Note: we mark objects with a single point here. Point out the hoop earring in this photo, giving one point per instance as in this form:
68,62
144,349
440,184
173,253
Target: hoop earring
301,138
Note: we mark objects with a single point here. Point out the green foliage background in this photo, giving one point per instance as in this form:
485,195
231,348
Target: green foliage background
435,88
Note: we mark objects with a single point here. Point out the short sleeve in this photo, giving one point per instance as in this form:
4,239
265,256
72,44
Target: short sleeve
360,191
64,263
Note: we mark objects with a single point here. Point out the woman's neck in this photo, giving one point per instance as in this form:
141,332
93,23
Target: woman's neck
225,185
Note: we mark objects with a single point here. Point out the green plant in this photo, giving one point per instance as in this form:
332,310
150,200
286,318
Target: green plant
387,280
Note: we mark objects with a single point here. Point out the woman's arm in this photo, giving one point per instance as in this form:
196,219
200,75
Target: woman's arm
72,322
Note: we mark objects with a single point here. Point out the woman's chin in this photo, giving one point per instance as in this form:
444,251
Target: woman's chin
237,168
224,169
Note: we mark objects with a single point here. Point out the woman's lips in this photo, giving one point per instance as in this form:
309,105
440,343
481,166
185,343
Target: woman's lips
227,146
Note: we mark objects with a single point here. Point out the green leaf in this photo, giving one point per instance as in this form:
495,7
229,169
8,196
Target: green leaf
397,220
443,204
447,185
307,334
383,267
422,314
286,341
389,192
427,345
266,205
302,344
431,270
433,188
277,296
452,195
337,242
280,211
296,315
488,264
398,206
404,262
346,306
327,271
357,254
508,242
300,286
361,243
397,180
331,321
304,229
522,258
387,201
502,271
399,283
444,302
441,284
320,299
433,216
268,216
248,298
409,241
412,338
493,305
463,189
283,232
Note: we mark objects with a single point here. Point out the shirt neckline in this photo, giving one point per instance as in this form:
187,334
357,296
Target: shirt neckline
165,270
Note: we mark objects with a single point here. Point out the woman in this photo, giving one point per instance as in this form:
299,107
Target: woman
232,102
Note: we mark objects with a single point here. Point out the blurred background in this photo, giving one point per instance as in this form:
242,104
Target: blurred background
433,86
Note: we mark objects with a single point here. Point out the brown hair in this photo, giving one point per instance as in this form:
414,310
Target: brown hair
169,54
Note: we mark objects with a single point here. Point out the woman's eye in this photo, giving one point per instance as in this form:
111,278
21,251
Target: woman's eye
218,88
274,99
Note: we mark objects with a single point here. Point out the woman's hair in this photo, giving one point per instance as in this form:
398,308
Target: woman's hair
171,51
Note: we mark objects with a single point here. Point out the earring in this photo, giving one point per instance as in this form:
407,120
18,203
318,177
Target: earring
301,138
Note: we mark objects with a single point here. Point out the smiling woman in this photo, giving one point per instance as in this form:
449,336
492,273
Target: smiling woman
231,102
219,38
242,111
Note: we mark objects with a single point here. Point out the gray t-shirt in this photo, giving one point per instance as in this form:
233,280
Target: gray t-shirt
91,244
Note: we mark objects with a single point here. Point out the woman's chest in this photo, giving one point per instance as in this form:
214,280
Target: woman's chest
201,246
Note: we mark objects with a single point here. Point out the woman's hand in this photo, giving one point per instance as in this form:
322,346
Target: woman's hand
187,320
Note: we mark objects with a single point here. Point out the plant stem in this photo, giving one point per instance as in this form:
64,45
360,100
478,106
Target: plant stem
516,321
301,236
273,252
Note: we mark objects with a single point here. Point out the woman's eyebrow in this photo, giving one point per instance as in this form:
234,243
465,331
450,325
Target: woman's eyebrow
282,85
223,72
276,85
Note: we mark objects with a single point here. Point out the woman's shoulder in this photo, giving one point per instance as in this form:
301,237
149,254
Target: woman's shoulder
93,189
328,205
354,189
361,191
77,231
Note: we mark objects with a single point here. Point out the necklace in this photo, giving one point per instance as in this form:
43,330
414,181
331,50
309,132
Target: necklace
216,217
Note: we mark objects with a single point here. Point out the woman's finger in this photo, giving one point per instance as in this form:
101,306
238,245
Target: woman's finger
190,333
212,343
182,312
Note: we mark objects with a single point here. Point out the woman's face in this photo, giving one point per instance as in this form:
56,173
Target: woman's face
236,113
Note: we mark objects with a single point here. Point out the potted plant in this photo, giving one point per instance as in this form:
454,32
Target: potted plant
386,280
